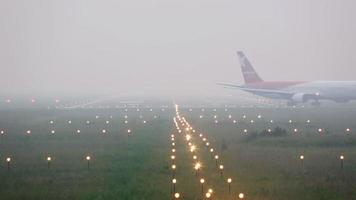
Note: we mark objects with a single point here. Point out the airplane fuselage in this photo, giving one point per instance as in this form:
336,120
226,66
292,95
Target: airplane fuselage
339,91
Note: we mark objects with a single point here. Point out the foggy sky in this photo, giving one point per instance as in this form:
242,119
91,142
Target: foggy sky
170,47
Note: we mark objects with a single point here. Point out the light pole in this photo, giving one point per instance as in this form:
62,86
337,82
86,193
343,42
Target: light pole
216,160
49,162
174,181
8,161
88,158
174,170
301,158
229,180
173,157
202,181
342,158
221,167
197,167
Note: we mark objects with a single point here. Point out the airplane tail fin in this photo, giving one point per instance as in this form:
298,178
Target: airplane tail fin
250,75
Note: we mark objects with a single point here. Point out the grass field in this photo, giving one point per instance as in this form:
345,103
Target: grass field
137,165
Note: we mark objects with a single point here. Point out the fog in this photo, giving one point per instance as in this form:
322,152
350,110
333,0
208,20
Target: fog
170,48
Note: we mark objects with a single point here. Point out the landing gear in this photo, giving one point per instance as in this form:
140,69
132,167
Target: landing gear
291,103
316,103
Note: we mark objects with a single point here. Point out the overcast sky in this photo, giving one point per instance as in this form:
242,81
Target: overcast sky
170,46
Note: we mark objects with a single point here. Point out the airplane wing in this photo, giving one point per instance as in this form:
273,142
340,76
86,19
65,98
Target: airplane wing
227,85
261,92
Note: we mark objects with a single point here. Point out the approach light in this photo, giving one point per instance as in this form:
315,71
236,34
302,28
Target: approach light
208,195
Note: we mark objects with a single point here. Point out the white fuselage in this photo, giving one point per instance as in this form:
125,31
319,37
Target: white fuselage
339,91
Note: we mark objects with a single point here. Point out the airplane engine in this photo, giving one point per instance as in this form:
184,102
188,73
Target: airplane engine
300,98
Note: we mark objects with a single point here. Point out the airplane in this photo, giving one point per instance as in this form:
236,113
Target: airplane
294,92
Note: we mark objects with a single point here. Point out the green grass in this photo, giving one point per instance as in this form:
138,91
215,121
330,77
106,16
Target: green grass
138,166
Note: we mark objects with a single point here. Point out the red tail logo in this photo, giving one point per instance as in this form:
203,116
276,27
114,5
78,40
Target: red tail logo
248,72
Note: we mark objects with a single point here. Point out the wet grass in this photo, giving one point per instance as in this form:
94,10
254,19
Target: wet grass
137,166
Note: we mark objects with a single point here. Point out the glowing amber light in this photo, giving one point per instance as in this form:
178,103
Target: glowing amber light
197,166
188,137
301,157
88,158
8,159
241,196
49,158
208,195
202,180
176,195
